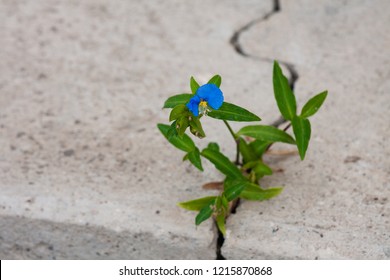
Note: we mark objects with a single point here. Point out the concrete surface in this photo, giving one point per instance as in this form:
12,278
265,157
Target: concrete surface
336,203
85,174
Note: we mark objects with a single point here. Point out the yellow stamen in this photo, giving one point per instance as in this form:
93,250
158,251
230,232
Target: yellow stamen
203,108
203,104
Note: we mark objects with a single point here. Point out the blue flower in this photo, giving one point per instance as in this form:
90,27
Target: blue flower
206,95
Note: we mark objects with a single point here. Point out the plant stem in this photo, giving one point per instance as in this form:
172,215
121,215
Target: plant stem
237,140
230,130
287,127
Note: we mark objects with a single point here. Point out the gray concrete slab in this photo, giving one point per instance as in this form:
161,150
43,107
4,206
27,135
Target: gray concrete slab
82,85
84,173
336,203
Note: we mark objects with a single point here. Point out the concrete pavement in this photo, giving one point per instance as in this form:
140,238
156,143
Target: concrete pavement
85,174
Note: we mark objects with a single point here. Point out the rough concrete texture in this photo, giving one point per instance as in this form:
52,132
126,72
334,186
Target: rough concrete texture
336,203
84,173
82,87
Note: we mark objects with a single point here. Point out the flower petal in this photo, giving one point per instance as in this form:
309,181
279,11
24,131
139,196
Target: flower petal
211,94
193,105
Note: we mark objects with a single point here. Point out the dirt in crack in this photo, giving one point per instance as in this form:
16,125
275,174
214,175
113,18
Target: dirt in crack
220,241
221,238
294,76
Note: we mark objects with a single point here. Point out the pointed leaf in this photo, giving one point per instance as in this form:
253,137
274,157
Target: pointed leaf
213,146
259,147
302,131
225,202
254,192
204,214
250,165
181,125
259,167
222,163
179,111
194,157
228,182
233,190
218,203
312,106
196,127
172,131
284,96
197,204
266,133
183,143
246,151
175,100
220,219
216,80
231,112
194,85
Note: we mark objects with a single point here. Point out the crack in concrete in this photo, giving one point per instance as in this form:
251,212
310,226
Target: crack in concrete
294,76
235,42
235,39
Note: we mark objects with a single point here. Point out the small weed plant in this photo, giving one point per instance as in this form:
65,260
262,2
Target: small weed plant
242,176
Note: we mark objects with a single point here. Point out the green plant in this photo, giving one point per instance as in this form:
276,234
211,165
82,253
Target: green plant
243,175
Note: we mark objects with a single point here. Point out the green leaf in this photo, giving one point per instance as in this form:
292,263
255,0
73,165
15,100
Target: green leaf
222,163
218,203
194,85
302,131
259,167
197,204
213,146
228,182
172,131
175,100
181,125
284,96
204,214
179,111
194,157
312,106
216,80
220,219
233,190
254,192
196,127
246,151
266,133
250,165
225,203
231,112
183,143
259,147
